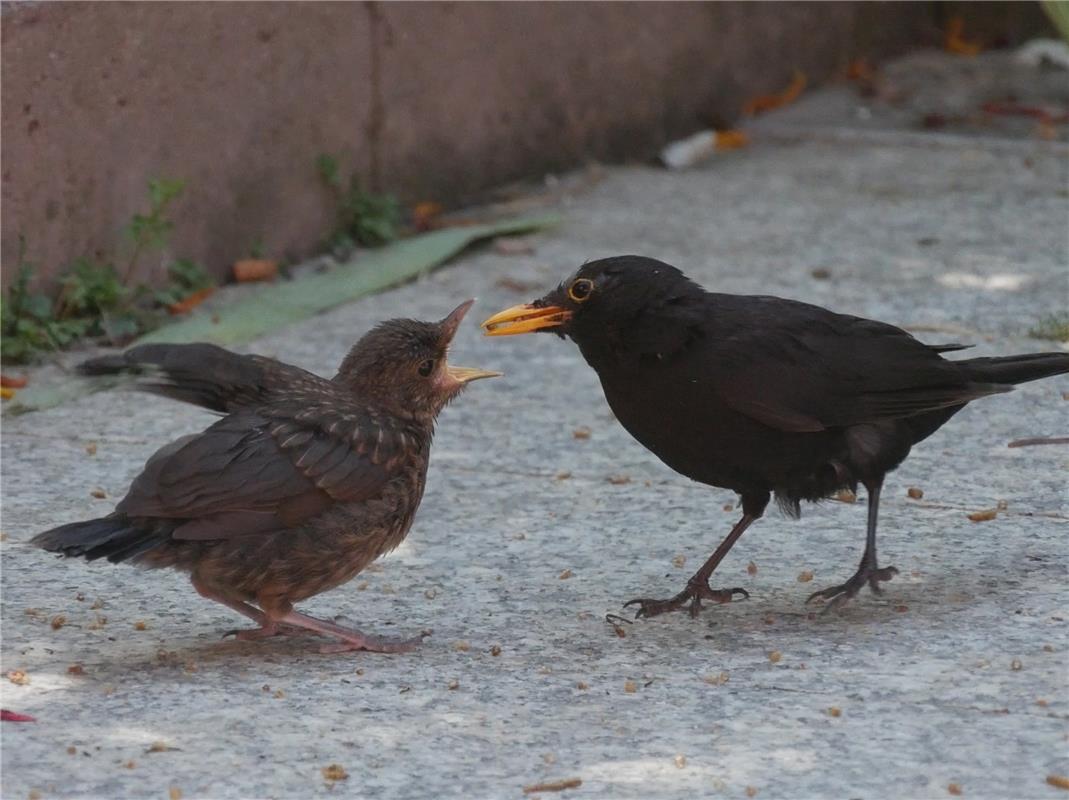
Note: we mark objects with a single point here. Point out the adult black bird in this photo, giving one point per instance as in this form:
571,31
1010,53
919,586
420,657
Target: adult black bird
761,395
301,484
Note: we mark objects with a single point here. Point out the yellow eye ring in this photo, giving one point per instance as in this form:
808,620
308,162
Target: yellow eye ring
580,290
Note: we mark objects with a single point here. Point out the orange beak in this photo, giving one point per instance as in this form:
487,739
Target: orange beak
525,319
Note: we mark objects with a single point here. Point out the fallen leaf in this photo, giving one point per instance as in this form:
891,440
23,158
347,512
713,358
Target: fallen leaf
553,786
680,761
983,516
188,303
249,270
99,494
767,102
495,650
954,788
581,433
425,215
775,656
913,493
859,70
1058,781
1016,665
18,677
731,140
619,480
58,622
174,793
335,772
751,568
954,41
565,575
679,561
462,646
91,448
454,684
6,393
14,716
805,576
630,687
835,711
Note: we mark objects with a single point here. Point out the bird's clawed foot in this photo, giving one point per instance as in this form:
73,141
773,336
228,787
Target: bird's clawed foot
696,591
837,595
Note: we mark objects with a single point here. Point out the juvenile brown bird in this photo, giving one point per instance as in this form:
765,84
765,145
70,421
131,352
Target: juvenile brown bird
301,484
761,395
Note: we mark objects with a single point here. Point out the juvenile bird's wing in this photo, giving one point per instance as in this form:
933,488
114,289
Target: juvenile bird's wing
203,374
252,473
799,368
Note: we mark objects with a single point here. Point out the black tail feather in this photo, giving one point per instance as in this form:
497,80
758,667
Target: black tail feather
1016,369
114,537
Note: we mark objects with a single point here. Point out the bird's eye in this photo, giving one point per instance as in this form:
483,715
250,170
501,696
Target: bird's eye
427,367
580,290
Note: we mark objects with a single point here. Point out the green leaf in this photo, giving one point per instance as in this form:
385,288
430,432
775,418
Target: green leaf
189,275
327,167
162,191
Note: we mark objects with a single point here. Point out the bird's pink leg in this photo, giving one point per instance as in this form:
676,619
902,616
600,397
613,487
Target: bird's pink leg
267,627
351,639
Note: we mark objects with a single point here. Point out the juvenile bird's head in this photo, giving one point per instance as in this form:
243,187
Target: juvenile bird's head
605,298
400,364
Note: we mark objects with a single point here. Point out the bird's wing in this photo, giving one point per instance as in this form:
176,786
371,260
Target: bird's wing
830,370
202,374
251,472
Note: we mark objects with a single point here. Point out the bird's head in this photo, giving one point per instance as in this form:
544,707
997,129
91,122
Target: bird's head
610,294
401,365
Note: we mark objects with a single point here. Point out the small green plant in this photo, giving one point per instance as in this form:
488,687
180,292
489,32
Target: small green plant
150,231
93,301
186,277
27,324
1053,326
363,217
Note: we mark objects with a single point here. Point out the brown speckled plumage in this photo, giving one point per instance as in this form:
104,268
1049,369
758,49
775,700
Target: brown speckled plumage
297,488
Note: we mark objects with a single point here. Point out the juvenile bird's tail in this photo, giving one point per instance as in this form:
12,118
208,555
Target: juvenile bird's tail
1016,369
114,537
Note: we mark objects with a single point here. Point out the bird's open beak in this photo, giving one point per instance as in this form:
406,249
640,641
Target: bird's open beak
525,319
464,375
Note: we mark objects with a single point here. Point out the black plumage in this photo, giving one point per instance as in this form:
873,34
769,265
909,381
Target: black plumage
761,395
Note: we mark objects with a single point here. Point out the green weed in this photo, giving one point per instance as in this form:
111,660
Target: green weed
363,217
1054,327
93,301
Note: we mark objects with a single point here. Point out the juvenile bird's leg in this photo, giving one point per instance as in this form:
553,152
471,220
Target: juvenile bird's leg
698,588
351,639
868,571
267,627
